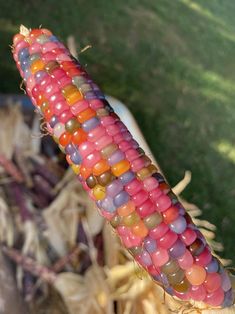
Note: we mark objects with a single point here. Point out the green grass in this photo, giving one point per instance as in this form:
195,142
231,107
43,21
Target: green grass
172,63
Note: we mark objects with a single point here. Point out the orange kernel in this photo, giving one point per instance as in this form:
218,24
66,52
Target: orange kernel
86,115
100,167
121,167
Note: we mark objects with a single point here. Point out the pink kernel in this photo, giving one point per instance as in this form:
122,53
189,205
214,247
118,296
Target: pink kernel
96,104
127,135
135,240
153,270
58,73
198,293
47,57
134,144
79,107
63,57
204,258
45,81
125,145
118,138
51,89
86,148
64,80
188,236
103,142
215,298
107,120
168,239
30,82
65,116
22,44
155,194
96,133
49,129
126,241
160,257
123,231
34,48
36,91
112,130
59,107
137,164
150,184
212,282
163,202
133,187
182,295
140,197
132,154
159,231
49,46
121,126
90,160
146,209
54,99
185,261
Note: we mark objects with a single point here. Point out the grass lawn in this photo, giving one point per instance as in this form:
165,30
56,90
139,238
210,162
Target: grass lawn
173,63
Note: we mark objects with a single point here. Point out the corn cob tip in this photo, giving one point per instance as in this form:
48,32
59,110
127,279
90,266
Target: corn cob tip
24,30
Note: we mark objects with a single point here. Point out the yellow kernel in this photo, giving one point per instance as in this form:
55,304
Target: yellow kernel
99,192
75,168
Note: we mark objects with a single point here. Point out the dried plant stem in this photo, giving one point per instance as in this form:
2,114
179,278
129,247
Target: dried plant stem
30,265
11,169
60,264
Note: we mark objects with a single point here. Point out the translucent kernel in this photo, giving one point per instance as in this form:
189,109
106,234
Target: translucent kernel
100,167
126,209
196,275
74,97
86,115
153,220
75,168
99,192
119,168
212,282
139,229
131,219
37,66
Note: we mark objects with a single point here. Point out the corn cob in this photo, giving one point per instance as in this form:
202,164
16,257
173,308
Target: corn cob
127,188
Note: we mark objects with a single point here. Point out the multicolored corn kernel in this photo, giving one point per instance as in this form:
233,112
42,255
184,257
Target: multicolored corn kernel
127,187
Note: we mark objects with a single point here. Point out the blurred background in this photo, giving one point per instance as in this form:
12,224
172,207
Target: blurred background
172,64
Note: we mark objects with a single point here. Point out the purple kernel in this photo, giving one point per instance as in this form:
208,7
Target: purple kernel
145,259
70,149
76,158
177,250
114,188
213,266
127,177
150,245
108,205
90,124
53,121
179,225
117,156
121,198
